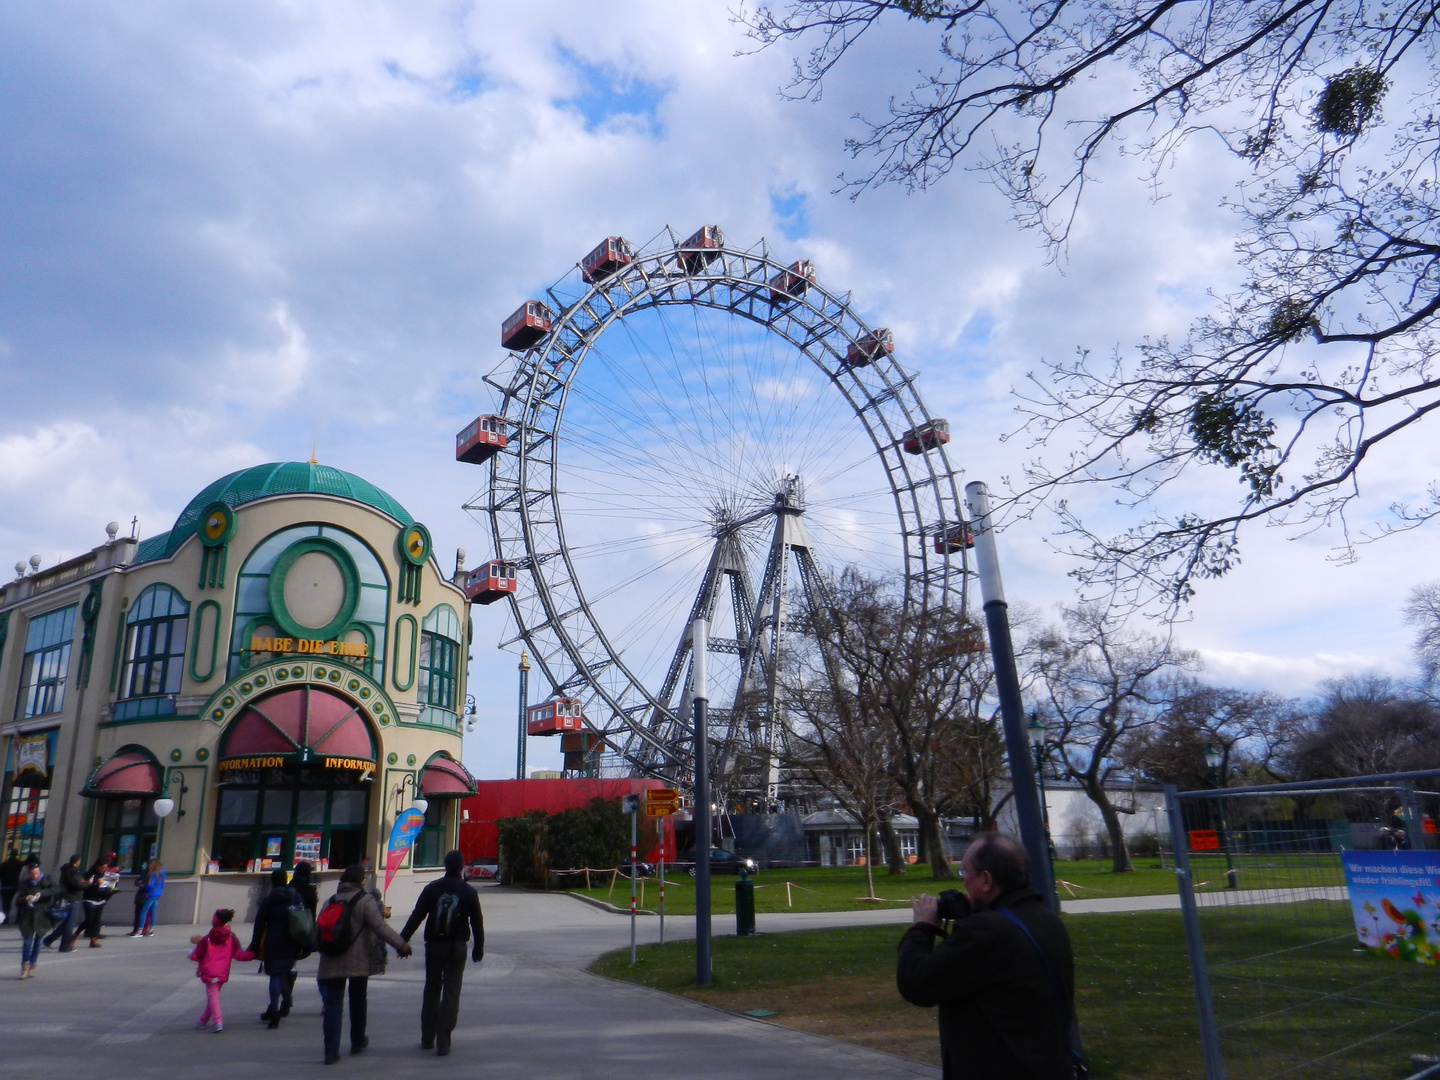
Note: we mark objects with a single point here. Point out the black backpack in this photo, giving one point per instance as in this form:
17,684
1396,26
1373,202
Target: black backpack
447,921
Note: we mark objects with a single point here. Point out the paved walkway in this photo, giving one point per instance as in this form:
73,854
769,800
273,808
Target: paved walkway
529,1011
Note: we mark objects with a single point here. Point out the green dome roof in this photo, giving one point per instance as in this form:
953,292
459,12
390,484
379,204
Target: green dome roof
263,482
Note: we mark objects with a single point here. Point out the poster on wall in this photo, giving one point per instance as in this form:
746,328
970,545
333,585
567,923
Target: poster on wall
307,847
1395,900
274,846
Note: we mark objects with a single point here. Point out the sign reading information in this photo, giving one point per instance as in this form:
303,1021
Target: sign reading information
309,646
1395,899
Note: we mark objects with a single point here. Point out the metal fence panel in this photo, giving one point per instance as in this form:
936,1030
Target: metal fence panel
1289,988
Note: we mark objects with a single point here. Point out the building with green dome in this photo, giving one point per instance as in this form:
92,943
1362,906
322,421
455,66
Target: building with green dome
273,680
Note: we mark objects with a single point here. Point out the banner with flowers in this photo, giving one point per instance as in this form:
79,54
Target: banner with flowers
1395,898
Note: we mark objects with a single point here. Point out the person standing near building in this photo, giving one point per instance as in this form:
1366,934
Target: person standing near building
360,959
1004,978
72,890
34,895
148,890
450,907
10,871
100,885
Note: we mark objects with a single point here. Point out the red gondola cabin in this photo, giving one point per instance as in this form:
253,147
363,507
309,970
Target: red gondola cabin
493,581
554,717
609,255
873,346
791,283
701,248
529,323
482,439
952,539
926,437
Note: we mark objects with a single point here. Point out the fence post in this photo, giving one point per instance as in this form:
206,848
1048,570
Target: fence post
1194,946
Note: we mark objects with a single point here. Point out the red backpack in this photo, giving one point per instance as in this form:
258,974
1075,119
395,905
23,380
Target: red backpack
335,929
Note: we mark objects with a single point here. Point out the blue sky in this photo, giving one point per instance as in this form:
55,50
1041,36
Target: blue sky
228,231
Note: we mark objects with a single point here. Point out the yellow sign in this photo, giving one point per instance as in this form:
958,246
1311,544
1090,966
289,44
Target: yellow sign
654,796
277,761
661,809
309,646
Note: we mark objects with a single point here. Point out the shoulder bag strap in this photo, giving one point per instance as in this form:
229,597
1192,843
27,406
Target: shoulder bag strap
1068,1024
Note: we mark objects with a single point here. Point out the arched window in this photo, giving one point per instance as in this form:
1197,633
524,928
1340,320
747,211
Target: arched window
440,664
154,656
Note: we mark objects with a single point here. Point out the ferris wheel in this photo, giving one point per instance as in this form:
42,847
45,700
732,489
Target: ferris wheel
688,430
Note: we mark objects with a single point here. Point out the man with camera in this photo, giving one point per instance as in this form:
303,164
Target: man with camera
1003,977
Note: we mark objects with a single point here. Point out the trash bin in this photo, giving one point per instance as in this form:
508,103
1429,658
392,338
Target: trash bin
744,905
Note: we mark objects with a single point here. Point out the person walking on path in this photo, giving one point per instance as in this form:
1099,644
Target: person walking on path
100,884
302,881
274,943
32,914
1004,978
72,889
10,873
451,910
366,930
148,890
213,954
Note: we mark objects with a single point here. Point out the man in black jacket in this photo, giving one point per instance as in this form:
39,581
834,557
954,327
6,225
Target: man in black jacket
72,887
1005,1010
451,910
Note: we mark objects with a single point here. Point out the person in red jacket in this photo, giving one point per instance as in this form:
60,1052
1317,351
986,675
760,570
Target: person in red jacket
213,955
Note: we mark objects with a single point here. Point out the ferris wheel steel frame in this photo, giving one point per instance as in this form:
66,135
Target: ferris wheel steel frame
554,618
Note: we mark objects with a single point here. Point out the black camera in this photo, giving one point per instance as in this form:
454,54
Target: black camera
953,904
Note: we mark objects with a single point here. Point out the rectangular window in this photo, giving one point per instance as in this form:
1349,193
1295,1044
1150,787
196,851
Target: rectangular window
439,662
29,763
129,828
281,819
46,664
429,845
154,656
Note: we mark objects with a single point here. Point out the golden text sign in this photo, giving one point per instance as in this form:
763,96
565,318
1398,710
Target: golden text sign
309,646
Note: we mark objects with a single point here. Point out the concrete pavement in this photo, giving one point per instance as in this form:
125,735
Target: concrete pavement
529,1011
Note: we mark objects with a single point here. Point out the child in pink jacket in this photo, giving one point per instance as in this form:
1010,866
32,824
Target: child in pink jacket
213,954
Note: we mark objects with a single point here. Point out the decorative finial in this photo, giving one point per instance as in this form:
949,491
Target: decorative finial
313,459
524,660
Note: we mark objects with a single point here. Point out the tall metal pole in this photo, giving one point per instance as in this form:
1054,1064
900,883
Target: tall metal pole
1194,944
524,693
700,703
1007,685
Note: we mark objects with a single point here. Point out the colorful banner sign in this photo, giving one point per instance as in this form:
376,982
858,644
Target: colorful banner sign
402,838
1395,899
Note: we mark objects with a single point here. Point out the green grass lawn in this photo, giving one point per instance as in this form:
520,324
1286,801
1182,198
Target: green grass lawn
842,888
1133,989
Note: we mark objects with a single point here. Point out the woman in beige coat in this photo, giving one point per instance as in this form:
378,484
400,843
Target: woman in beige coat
361,960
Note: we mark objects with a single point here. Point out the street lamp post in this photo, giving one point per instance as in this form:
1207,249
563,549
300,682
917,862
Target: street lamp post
1214,758
1036,731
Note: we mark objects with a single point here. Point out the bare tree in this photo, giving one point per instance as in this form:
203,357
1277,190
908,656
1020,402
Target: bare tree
1328,352
1102,686
1367,724
1422,611
1253,732
901,682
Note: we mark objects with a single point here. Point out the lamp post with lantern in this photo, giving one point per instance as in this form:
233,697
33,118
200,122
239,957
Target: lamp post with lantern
1214,759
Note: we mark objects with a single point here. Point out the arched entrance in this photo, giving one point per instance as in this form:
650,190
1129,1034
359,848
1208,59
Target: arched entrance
296,770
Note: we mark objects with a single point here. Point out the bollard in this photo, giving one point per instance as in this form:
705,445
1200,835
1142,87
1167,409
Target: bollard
744,905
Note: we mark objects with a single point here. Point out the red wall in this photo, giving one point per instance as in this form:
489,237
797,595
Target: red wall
496,799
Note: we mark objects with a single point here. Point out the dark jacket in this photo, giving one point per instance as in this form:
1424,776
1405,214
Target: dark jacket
33,916
998,1019
10,872
271,940
469,907
72,881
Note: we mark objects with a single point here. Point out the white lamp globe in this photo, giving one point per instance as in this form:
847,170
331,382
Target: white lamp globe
420,805
164,807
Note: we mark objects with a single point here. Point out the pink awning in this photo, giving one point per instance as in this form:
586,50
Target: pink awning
300,719
132,773
445,778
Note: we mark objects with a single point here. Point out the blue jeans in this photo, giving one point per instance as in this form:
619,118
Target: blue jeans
146,919
334,993
30,949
